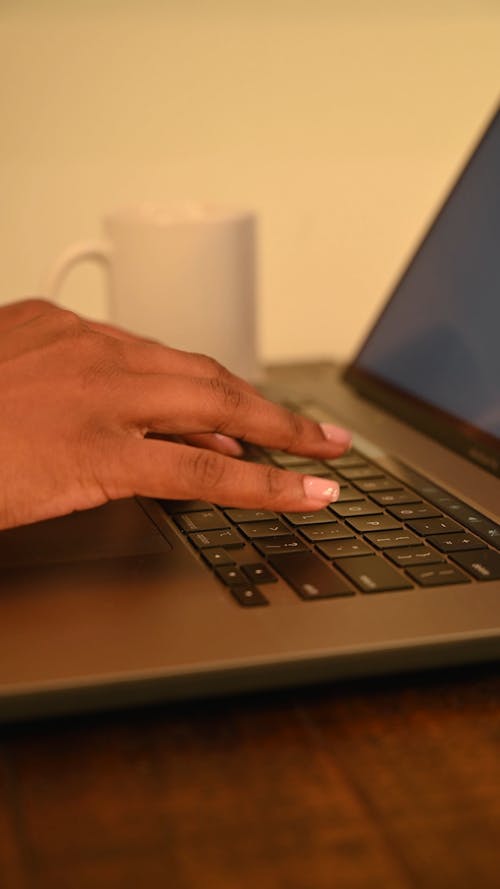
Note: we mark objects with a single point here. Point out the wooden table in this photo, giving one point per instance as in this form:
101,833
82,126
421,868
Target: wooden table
391,783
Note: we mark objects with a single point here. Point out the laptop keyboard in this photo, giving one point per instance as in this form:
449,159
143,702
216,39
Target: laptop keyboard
382,535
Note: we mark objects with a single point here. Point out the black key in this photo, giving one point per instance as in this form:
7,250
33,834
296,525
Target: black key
372,574
287,461
391,539
332,531
216,556
308,518
357,507
482,526
347,461
450,543
441,525
414,555
250,515
311,468
483,565
248,596
437,575
334,549
264,529
490,532
273,545
231,575
309,576
374,523
382,483
391,498
416,511
225,537
258,573
361,472
207,520
348,493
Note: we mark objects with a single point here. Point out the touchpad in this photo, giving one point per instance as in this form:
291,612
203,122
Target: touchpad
119,528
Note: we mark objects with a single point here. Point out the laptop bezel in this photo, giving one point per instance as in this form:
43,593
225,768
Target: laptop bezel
464,438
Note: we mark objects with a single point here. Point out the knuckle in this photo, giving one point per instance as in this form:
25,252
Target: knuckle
205,468
228,397
296,428
38,304
274,481
214,368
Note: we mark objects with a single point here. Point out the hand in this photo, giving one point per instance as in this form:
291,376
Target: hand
79,397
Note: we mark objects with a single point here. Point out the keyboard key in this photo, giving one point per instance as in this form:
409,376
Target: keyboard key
417,511
332,531
449,543
382,483
391,539
225,537
347,461
309,576
231,575
334,549
258,573
250,515
207,520
312,468
308,518
425,527
348,493
482,526
391,498
490,532
374,523
360,472
357,507
276,545
248,596
414,555
483,565
264,529
437,575
214,556
372,574
289,461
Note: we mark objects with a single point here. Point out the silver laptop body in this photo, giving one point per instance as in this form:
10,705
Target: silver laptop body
126,604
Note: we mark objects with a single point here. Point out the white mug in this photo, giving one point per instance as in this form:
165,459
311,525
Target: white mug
184,275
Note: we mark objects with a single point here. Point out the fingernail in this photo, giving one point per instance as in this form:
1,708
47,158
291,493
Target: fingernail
336,434
231,447
321,490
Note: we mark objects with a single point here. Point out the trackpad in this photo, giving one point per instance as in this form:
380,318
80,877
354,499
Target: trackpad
119,528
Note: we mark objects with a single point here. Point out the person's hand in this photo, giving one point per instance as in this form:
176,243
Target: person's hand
78,399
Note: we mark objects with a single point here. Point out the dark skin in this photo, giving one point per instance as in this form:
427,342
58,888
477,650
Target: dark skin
79,398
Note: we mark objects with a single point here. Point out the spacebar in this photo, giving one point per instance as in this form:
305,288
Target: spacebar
309,576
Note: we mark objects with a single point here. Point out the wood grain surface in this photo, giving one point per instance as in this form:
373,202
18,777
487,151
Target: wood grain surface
390,783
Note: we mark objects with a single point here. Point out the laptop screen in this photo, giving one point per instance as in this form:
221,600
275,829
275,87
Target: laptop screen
434,354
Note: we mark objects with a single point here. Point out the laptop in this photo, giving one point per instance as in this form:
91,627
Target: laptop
142,601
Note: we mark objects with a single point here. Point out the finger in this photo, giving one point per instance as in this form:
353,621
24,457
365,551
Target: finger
167,470
214,441
185,406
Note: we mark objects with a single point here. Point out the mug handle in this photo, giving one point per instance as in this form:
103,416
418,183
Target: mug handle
82,251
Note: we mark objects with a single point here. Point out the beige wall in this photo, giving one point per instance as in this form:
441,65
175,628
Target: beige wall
340,122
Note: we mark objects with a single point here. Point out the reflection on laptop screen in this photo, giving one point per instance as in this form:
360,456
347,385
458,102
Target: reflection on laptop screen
439,337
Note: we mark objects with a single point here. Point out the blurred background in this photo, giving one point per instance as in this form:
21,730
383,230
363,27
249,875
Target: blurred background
342,122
